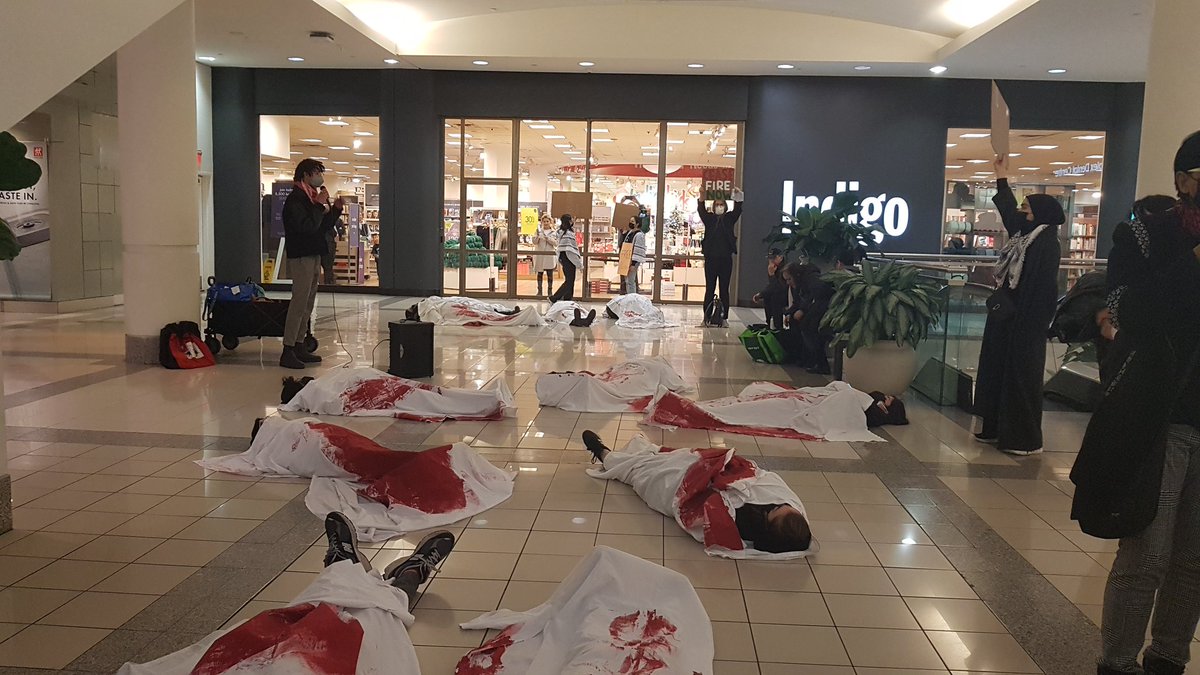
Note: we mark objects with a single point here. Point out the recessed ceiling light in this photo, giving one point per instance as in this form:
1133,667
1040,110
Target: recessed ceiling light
586,64
602,140
952,145
209,59
339,147
310,140
1057,71
1089,137
1043,147
480,62
695,65
553,137
938,70
977,161
862,67
954,166
365,154
334,123
391,62
295,59
1014,154
974,135
1095,156
785,66
1030,168
363,133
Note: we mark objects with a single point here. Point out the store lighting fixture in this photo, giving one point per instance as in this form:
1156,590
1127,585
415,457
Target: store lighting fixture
321,159
1089,137
695,65
1043,147
453,142
543,127
954,166
356,179
1097,195
1030,168
729,156
553,137
599,130
365,154
602,140
649,147
375,170
207,59
480,62
977,161
862,67
938,70
562,145
1061,163
952,145
295,59
342,173
359,166
391,62
974,135
1057,71
1095,156
460,135
678,124
310,140
982,173
357,143
339,147
586,64
536,121
341,162
1014,154
281,161
363,133
649,154
339,122
785,66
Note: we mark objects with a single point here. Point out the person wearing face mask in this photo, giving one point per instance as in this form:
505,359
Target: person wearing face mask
568,257
1012,359
634,236
307,216
545,243
1137,475
718,247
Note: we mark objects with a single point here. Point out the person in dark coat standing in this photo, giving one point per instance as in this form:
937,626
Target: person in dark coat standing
718,247
1012,359
804,340
307,216
1137,476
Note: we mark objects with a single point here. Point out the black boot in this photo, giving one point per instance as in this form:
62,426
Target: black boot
304,355
257,425
1157,665
289,359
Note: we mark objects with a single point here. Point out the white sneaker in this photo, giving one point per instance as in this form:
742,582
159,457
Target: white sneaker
1022,453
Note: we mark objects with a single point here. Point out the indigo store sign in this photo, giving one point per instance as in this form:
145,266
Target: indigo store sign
887,213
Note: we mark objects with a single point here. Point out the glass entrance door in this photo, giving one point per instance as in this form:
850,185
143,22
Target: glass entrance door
484,239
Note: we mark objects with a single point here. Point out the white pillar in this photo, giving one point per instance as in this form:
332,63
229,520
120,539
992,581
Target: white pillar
1172,93
156,100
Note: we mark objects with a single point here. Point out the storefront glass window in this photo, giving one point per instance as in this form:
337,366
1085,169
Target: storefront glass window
349,149
451,221
552,158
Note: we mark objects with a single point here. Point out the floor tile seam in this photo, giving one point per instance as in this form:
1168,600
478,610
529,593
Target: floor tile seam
70,384
129,438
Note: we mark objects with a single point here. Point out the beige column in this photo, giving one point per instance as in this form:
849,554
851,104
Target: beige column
1172,93
160,215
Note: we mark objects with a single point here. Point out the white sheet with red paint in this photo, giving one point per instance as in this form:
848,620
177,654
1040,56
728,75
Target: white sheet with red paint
636,311
457,311
347,622
701,488
830,413
625,387
614,614
366,392
387,493
563,311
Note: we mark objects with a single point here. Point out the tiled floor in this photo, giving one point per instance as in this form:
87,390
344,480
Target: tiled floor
939,555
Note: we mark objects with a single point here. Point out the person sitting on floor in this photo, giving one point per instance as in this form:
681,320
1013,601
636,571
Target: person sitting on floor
350,619
726,502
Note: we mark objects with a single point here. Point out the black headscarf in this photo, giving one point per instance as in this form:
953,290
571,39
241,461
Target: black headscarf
568,223
1046,211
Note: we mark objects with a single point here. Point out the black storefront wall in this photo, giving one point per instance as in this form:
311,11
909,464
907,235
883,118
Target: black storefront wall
886,134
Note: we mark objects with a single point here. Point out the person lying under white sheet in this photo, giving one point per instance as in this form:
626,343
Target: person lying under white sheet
625,387
836,412
387,492
571,313
614,613
471,312
367,392
350,620
636,311
724,501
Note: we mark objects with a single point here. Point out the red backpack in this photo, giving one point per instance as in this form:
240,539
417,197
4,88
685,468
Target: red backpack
180,346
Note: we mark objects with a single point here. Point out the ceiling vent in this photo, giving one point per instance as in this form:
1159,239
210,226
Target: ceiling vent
324,36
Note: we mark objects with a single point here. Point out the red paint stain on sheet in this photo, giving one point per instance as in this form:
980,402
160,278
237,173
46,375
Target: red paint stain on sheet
488,658
646,639
699,497
673,410
312,634
376,394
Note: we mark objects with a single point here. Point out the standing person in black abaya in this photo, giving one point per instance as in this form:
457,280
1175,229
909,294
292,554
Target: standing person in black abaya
1012,360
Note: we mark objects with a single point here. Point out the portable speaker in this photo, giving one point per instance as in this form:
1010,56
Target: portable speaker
411,348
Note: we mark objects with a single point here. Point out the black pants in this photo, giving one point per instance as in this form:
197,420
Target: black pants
327,261
567,290
717,271
773,308
549,280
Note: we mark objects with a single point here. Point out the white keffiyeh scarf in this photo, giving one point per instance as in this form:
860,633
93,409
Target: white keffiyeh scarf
1012,257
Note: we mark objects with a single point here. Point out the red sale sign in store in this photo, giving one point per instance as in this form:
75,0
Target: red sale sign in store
717,184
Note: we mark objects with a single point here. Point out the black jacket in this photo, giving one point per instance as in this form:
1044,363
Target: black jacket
1154,299
305,225
720,240
812,296
776,290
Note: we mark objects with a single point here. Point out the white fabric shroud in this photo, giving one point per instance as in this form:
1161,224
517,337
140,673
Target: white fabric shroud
366,392
348,620
625,387
563,311
701,488
386,493
471,312
636,311
614,613
831,413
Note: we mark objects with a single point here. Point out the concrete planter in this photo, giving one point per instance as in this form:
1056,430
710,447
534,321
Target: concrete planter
882,367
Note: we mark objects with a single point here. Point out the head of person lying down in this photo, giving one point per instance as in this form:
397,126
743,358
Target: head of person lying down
773,528
291,387
885,409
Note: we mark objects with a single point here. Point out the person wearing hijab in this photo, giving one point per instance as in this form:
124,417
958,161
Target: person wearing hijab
568,256
1012,360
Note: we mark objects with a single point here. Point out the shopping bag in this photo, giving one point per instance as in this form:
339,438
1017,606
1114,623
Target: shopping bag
762,344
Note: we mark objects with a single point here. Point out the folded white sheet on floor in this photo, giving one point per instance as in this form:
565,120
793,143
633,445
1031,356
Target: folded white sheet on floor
701,488
348,620
636,311
830,413
471,312
386,493
614,613
625,387
367,392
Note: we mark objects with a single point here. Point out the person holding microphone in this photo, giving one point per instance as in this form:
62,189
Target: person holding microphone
307,216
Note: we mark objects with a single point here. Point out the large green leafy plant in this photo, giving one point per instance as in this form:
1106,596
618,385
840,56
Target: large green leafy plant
822,235
886,301
17,172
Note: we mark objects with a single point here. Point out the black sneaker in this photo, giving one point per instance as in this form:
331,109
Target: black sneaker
595,446
258,422
289,359
343,544
409,573
591,316
986,438
411,314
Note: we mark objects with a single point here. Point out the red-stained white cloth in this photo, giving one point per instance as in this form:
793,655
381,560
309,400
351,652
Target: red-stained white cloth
625,387
386,493
366,392
471,312
636,311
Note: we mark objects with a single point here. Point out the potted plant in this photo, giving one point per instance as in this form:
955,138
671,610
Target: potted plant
822,237
17,172
881,314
